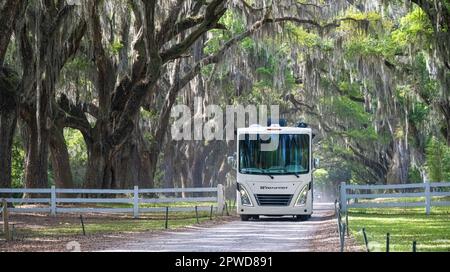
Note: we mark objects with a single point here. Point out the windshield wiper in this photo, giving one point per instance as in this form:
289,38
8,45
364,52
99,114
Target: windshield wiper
297,175
268,174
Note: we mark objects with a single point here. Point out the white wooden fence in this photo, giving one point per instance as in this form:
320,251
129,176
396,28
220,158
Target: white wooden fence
351,194
134,196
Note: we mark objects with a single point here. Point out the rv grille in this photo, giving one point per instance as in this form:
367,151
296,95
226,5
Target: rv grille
273,200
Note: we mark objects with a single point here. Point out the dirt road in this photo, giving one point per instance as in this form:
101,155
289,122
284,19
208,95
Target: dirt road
268,234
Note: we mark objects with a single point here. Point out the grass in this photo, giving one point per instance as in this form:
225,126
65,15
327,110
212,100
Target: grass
43,232
71,225
405,225
404,199
122,225
156,205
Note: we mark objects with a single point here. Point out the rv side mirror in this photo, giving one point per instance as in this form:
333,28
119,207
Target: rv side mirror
232,161
316,163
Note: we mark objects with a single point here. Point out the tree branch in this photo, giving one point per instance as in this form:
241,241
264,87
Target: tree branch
8,16
214,12
170,21
60,17
73,43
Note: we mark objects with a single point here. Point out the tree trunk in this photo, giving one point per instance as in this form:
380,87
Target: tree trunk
444,107
168,166
8,122
8,16
59,155
132,164
197,170
8,101
99,172
448,132
36,164
123,167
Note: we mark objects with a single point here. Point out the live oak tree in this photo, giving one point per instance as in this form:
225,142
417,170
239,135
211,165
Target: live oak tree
9,11
48,35
371,76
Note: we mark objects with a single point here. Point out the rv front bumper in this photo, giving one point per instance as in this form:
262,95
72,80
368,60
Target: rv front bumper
266,210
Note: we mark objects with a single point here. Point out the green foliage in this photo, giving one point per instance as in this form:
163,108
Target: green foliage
414,27
414,175
438,160
341,168
427,86
302,37
419,113
447,4
371,16
115,47
370,45
235,25
432,232
352,89
364,134
347,109
18,163
77,64
77,153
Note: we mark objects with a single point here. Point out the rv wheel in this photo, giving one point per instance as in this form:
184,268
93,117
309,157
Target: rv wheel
302,217
244,217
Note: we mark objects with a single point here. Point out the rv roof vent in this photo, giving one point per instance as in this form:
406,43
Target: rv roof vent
302,125
280,122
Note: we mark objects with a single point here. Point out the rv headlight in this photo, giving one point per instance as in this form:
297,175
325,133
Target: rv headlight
245,197
302,197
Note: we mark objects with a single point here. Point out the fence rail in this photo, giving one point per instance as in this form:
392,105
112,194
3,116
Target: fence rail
351,194
135,196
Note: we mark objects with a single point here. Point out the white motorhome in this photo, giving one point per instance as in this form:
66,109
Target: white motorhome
274,171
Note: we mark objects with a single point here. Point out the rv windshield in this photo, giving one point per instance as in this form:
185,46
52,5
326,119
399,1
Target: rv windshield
290,157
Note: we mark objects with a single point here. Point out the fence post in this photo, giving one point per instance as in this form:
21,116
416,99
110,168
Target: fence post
387,242
53,201
346,224
226,209
196,214
136,202
342,236
343,197
366,241
220,198
6,221
166,223
427,197
335,207
82,225
13,231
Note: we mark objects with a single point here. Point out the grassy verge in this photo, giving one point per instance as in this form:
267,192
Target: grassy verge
404,199
121,225
405,225
43,225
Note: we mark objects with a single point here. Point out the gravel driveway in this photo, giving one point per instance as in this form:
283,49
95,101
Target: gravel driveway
267,234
